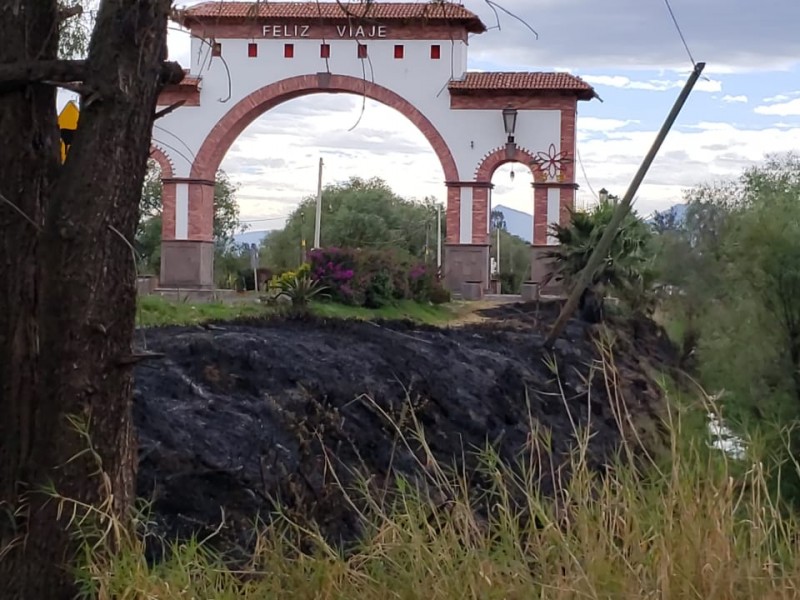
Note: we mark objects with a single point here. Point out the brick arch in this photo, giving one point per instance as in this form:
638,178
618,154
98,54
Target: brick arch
497,158
164,161
225,132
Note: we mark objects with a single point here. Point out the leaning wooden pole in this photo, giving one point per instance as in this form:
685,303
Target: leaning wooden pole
621,211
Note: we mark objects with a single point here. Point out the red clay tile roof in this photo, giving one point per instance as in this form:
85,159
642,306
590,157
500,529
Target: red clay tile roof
189,81
380,11
514,82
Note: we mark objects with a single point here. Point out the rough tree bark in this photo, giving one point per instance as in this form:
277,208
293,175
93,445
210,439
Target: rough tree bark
67,283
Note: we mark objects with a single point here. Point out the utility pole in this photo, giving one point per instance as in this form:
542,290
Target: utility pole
439,238
427,239
318,221
601,250
302,237
498,252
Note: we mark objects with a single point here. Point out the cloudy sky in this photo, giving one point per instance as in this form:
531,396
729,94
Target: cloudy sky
747,105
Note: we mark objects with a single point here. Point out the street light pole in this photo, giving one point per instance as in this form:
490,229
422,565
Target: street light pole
498,252
318,221
439,238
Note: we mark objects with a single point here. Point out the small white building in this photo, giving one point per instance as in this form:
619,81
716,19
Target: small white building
249,57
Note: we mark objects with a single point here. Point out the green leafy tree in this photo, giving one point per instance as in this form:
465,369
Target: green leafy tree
627,270
515,261
498,220
359,213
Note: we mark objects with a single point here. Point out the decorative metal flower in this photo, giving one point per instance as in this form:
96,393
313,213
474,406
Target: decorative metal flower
551,162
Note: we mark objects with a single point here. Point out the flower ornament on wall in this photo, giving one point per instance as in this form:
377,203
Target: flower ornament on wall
551,163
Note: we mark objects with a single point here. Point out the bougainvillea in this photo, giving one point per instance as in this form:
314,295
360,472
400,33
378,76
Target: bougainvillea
371,277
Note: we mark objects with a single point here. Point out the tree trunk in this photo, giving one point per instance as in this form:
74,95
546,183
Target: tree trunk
72,295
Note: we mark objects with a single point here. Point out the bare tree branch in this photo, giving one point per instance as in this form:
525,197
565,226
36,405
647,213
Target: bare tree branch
17,75
78,88
14,76
165,111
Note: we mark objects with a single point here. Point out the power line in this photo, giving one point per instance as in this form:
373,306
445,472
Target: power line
680,33
585,176
265,219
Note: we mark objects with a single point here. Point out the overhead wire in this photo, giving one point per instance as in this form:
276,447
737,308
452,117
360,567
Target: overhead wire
680,32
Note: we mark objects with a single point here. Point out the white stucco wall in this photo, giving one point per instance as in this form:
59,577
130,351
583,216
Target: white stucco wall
470,134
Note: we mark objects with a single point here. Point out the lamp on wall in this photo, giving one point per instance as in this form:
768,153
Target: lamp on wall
510,124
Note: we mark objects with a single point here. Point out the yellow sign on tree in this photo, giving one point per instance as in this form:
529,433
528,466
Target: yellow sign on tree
68,124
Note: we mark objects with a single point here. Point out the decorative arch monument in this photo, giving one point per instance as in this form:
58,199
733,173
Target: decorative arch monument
248,57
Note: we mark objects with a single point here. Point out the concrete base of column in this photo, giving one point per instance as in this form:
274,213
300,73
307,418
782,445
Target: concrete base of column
541,267
187,264
466,263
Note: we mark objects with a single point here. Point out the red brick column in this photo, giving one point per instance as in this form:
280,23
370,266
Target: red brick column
453,214
539,214
480,213
168,193
201,210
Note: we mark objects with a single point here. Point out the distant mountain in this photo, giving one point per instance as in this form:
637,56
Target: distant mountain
250,237
517,222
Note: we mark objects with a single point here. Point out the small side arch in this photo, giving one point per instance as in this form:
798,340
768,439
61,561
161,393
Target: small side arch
167,168
498,157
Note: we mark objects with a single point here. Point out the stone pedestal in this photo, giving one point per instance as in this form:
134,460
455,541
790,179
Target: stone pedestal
466,262
530,291
540,267
187,264
472,290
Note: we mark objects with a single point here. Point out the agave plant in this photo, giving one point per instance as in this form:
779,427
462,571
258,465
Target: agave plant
301,290
626,269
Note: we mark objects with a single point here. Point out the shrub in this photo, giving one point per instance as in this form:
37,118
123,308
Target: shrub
374,278
301,290
378,290
422,279
439,295
334,268
287,277
384,264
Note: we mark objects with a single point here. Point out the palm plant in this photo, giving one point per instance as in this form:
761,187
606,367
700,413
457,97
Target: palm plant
301,290
626,270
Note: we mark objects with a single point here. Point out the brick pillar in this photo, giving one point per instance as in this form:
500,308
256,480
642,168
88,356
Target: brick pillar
539,214
467,249
453,214
187,234
168,195
480,214
552,204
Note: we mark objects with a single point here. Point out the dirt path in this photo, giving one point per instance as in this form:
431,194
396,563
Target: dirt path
471,313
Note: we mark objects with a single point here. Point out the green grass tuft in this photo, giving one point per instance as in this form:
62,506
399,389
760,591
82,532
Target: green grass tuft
155,311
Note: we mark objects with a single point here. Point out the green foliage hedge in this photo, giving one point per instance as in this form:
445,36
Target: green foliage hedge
373,278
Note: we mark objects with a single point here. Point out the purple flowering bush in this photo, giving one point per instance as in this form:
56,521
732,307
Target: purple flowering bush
335,269
373,278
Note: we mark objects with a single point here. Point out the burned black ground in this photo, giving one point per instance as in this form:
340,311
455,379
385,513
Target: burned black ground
244,414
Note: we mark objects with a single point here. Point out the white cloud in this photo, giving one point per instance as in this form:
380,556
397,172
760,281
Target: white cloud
654,85
727,98
781,109
602,125
691,155
781,97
